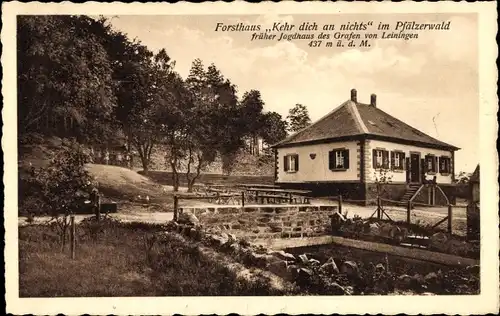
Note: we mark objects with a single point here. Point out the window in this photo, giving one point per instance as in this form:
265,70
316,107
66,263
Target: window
430,163
444,165
291,163
397,160
338,159
380,159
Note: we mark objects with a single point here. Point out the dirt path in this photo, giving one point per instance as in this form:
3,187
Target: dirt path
144,217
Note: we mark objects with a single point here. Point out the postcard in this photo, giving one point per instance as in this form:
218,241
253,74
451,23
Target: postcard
216,158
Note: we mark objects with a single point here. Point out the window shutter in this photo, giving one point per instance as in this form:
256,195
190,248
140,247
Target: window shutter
402,162
385,157
296,162
408,175
392,160
434,164
440,164
345,154
285,163
374,154
331,160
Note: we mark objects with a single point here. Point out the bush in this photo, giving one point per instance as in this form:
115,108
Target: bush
57,189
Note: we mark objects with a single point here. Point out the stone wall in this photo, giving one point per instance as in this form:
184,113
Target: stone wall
266,221
244,163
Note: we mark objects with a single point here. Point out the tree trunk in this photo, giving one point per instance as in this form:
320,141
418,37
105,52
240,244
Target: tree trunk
145,163
256,140
143,154
175,175
198,172
188,171
149,151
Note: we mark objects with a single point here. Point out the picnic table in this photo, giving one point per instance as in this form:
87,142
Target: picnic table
260,186
212,197
204,187
282,195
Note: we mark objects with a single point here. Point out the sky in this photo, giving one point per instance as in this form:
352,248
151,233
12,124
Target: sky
431,83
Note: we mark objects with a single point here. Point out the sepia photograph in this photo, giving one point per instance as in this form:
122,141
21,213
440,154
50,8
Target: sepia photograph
265,154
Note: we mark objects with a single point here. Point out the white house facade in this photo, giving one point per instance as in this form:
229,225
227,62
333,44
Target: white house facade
347,151
317,163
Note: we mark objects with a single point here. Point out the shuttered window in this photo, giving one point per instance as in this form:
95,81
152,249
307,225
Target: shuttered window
431,163
397,160
338,159
444,165
380,159
291,163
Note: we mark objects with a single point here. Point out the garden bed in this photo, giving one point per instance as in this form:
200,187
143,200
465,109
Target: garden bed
337,270
419,276
399,232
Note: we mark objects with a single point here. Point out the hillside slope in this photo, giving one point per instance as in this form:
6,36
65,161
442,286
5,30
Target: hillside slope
123,183
114,182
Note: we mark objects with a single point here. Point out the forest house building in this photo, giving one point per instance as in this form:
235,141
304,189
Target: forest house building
345,151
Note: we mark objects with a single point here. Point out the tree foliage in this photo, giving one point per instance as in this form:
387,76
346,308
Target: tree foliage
273,128
58,190
298,118
64,76
78,77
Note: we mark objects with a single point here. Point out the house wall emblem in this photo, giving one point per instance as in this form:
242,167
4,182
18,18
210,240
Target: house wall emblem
312,156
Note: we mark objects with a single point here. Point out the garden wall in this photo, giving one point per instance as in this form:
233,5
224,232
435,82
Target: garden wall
266,221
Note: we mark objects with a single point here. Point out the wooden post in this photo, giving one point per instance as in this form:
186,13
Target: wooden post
73,236
408,212
176,207
98,208
340,203
379,215
242,198
450,218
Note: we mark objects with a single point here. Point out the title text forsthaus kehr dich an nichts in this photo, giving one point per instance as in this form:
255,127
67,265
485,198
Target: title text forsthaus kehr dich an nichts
312,26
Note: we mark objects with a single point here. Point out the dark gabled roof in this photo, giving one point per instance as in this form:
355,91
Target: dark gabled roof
356,119
475,175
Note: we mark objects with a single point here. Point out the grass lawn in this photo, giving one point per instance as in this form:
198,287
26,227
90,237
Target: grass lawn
114,259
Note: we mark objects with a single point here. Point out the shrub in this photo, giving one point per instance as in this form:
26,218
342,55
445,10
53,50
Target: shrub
57,189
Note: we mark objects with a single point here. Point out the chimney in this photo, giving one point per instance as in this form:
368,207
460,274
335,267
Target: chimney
373,100
354,95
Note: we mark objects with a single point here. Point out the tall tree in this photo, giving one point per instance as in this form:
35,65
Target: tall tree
298,118
212,120
64,76
252,107
138,73
273,128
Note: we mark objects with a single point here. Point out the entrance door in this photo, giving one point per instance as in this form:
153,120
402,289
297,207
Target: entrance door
415,168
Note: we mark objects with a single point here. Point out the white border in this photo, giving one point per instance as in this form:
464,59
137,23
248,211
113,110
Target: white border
484,303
